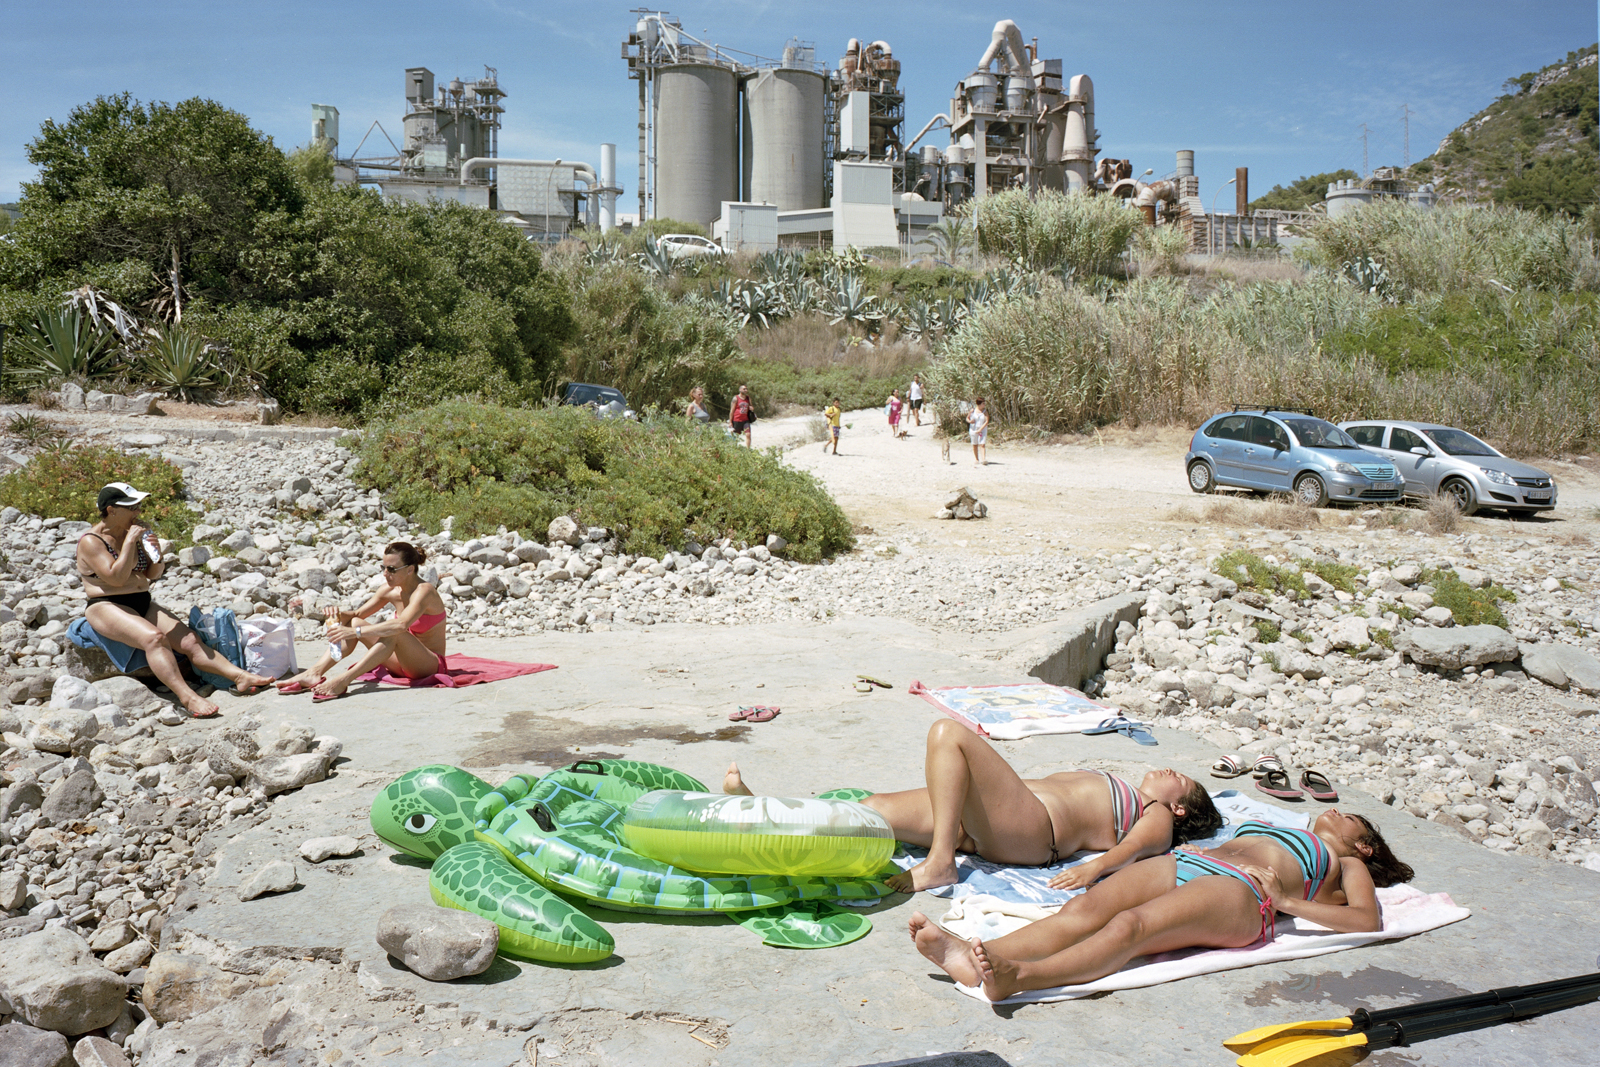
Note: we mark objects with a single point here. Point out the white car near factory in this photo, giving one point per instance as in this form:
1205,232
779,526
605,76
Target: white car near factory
688,246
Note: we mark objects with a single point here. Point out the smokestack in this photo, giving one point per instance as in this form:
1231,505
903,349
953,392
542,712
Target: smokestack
1241,190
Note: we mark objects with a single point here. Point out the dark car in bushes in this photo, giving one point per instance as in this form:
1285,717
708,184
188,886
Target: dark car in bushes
1279,450
608,403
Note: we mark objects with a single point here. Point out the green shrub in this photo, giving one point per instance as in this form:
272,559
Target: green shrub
180,363
64,482
652,481
1471,607
630,335
1256,574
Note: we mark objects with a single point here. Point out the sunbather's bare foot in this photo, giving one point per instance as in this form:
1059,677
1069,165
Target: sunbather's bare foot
733,784
199,707
250,684
304,680
1000,975
332,687
953,955
925,875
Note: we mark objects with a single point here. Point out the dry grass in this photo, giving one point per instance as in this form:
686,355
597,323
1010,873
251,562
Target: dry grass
1247,270
810,343
1280,512
1441,517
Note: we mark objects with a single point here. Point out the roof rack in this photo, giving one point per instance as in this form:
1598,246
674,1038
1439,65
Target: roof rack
1273,407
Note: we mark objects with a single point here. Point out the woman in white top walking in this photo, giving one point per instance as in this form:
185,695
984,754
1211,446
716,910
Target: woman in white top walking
978,431
914,394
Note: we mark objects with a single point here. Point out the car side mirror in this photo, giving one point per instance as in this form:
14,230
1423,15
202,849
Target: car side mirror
1420,450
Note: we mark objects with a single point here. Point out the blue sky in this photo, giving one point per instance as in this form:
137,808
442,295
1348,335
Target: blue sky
1281,88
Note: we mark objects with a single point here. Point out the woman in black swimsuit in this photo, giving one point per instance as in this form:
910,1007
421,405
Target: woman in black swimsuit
117,564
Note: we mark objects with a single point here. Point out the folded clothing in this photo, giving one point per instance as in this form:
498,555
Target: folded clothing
1406,911
124,658
460,671
1030,885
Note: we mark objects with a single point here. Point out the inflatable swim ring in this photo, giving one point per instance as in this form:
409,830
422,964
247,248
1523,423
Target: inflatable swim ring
499,851
723,834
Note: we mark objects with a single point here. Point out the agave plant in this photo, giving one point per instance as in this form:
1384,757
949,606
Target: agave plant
654,258
951,313
105,313
63,344
181,363
850,303
918,319
1370,275
603,254
753,302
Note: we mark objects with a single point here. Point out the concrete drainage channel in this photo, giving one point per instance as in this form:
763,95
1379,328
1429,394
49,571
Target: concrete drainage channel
1072,650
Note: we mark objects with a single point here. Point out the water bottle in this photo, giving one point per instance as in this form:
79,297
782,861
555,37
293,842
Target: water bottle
334,648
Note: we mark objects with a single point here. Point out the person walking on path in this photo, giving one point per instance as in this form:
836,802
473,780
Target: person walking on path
914,394
742,415
697,407
893,407
978,431
832,414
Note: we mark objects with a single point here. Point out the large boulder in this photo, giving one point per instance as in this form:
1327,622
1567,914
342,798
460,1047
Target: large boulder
73,798
438,943
74,694
564,531
58,729
1456,647
280,774
22,1045
54,982
1562,666
130,694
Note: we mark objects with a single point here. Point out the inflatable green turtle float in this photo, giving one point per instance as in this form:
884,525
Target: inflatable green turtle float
515,852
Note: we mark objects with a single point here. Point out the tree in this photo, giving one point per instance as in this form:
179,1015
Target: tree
176,187
950,239
1564,183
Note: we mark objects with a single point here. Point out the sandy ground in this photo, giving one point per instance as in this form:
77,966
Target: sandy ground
1105,492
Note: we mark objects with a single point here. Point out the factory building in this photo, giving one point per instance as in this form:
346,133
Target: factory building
450,150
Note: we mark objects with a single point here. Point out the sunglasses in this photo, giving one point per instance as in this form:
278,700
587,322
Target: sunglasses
394,570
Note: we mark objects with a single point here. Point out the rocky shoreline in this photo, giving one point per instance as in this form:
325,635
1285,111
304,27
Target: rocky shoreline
114,805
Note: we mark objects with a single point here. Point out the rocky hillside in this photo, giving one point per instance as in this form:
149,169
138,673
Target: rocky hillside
1534,147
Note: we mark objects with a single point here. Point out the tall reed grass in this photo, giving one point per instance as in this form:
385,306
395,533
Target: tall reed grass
1049,230
1151,352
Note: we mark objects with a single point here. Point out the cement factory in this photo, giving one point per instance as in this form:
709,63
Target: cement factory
786,151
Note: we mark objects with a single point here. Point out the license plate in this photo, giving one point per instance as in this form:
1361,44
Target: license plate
1537,497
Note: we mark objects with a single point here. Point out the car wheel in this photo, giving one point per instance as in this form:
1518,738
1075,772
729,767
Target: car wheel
1201,479
1310,491
1459,491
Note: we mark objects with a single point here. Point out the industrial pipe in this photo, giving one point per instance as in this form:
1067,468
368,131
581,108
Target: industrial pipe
579,170
925,130
1163,191
1008,39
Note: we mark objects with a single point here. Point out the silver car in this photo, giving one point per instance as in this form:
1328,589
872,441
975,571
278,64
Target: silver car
1442,460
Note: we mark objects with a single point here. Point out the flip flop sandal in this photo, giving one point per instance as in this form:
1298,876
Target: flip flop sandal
740,715
299,687
1118,724
762,714
1265,765
1316,783
863,687
1228,767
1277,784
874,681
318,698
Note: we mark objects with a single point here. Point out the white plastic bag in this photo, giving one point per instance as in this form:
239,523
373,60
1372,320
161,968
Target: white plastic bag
269,647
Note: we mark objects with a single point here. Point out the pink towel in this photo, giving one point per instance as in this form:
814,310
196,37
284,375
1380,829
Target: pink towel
459,671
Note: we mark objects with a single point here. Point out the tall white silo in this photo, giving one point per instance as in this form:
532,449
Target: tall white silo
783,119
697,141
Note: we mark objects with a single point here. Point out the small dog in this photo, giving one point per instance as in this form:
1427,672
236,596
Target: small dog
944,450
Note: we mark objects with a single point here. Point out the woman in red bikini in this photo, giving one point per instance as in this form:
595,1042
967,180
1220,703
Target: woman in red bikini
410,645
118,559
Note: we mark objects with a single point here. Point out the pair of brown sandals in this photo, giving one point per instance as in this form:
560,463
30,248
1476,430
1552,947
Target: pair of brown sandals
865,683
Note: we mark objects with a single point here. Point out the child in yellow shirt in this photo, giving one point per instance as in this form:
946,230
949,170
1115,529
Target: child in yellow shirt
832,414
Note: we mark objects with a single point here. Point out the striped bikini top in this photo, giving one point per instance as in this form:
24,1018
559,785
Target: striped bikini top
1306,847
1127,803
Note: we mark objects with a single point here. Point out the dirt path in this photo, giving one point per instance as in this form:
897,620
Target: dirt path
1090,493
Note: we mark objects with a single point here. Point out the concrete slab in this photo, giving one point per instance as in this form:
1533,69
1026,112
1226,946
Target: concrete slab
663,694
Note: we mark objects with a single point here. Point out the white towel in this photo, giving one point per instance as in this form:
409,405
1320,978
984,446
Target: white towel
1405,909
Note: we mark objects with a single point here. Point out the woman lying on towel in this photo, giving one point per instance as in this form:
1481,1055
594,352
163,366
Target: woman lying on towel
410,645
974,802
1223,897
118,559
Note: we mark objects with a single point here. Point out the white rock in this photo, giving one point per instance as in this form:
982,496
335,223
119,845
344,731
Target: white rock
1349,632
1439,615
74,694
318,849
279,876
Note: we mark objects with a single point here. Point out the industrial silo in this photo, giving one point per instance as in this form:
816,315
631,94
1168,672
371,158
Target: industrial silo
697,141
783,118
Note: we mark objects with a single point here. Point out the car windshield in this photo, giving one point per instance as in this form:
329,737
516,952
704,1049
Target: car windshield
1458,442
1314,433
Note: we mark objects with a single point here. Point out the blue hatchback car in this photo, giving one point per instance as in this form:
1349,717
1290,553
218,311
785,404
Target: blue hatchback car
1277,450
